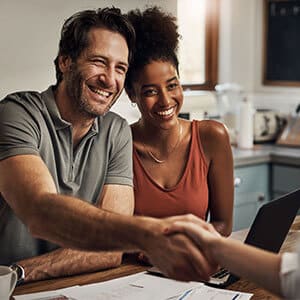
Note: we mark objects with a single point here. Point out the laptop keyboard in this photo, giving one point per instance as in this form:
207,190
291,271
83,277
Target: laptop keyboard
219,278
221,273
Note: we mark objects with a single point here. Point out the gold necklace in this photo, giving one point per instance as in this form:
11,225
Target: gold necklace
160,161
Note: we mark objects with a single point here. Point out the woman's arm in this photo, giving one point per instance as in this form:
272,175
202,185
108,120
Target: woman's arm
217,150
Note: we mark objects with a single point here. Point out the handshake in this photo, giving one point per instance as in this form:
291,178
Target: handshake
186,249
193,250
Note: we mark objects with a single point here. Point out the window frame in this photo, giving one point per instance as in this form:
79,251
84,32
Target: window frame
212,15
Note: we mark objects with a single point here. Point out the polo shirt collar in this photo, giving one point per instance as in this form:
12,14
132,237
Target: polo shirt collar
59,122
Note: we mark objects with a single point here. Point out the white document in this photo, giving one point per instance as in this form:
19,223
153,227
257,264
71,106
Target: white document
136,287
209,293
60,294
163,288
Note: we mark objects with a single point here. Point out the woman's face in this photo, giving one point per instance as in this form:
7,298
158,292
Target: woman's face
158,94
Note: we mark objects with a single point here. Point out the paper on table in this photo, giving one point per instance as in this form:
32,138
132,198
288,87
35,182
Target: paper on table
163,288
110,289
49,295
208,293
136,287
133,287
79,292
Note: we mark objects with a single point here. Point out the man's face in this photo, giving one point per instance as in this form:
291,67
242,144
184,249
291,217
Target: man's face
96,79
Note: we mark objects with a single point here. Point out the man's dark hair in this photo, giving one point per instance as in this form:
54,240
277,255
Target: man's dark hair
74,33
157,39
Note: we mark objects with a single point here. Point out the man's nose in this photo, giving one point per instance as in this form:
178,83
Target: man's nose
107,77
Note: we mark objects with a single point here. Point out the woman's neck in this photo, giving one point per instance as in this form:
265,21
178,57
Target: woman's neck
158,143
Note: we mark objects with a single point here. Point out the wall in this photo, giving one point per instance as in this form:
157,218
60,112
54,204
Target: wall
240,56
29,32
30,29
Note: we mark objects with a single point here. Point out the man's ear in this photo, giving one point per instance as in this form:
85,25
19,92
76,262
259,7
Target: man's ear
64,62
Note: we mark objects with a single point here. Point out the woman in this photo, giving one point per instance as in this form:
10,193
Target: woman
179,166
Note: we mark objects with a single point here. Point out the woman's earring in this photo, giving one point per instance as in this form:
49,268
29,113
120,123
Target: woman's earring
133,104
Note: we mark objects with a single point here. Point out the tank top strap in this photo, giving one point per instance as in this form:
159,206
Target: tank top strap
197,137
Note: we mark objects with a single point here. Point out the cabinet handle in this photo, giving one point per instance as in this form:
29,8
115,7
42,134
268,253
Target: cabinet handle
261,197
237,181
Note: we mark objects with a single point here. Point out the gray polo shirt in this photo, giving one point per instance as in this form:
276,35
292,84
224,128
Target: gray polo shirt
30,123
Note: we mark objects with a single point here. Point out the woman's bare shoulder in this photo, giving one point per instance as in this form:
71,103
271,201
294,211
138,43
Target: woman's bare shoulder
214,136
212,129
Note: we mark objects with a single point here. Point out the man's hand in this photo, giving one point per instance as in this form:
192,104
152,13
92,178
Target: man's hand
176,255
142,258
202,233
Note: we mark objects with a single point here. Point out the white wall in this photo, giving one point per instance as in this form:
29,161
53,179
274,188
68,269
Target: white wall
29,32
240,56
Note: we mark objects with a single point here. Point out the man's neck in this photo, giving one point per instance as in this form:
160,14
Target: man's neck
81,123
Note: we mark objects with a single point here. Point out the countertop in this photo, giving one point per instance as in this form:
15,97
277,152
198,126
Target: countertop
266,153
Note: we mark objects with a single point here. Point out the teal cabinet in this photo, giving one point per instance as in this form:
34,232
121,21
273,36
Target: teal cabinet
251,190
284,179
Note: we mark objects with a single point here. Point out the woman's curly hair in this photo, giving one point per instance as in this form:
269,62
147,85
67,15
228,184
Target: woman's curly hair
157,39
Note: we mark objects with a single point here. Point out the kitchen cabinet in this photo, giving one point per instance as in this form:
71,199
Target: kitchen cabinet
252,189
285,178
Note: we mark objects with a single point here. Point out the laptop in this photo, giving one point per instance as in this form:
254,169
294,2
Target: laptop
268,231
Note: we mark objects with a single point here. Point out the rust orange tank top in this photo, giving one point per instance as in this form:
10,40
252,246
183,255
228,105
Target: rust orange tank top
190,195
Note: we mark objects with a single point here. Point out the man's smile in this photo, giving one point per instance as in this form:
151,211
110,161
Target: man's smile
100,91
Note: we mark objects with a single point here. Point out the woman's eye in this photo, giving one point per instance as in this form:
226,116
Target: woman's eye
149,93
172,86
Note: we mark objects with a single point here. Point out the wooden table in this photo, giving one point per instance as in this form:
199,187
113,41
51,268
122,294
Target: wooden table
128,268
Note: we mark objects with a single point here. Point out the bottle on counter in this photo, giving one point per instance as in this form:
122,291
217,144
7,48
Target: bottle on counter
245,128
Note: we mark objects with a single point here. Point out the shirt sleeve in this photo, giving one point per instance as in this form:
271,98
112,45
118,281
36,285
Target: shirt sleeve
290,275
120,158
18,130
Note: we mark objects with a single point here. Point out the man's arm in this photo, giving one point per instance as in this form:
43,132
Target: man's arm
27,186
65,262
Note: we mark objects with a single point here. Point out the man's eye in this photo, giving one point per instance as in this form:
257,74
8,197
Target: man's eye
98,62
121,70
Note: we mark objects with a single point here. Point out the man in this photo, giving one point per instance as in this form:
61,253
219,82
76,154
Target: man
65,165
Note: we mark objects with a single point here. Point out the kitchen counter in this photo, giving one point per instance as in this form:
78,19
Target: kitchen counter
266,153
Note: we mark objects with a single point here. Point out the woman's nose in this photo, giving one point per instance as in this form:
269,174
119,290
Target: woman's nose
164,98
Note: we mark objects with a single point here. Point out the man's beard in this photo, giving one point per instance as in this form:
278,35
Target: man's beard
74,84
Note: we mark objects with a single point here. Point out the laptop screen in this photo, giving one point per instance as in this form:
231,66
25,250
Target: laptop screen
273,222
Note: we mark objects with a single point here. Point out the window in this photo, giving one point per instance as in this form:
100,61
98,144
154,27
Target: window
198,48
